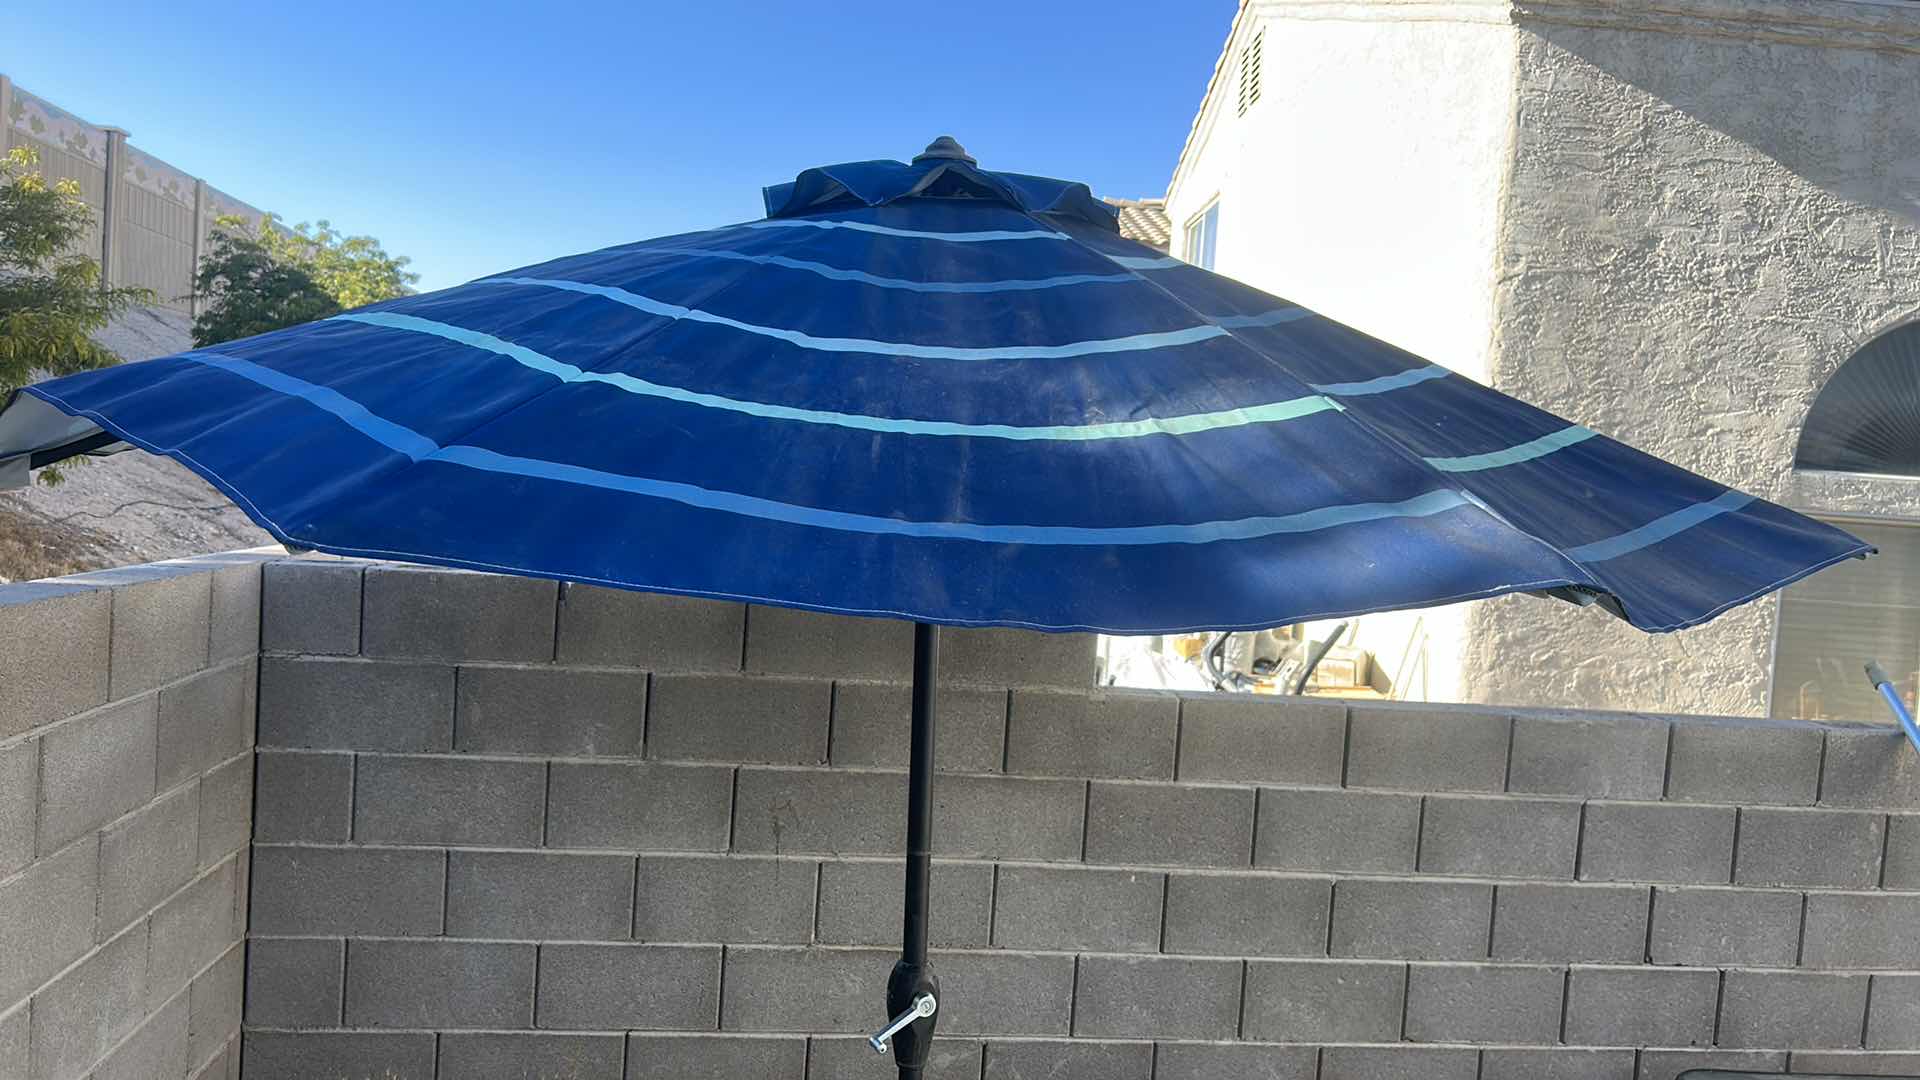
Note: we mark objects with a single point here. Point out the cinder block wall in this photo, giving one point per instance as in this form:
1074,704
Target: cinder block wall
507,828
126,785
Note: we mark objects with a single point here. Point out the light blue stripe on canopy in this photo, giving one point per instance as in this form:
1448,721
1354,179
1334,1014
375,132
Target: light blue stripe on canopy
935,392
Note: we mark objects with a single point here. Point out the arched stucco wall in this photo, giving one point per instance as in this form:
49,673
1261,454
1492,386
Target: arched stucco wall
1710,207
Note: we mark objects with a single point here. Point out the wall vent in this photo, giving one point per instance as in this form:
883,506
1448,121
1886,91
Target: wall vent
1250,74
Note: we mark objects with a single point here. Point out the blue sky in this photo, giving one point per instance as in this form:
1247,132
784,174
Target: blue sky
481,136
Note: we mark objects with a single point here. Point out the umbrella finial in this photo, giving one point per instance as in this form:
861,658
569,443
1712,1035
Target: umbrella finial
944,148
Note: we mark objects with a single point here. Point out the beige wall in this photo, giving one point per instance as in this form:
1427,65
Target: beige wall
1365,184
1712,205
160,216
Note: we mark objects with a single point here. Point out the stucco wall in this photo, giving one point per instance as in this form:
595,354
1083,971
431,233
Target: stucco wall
1365,184
1711,206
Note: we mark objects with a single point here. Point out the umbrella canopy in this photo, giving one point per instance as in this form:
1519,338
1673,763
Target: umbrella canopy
926,391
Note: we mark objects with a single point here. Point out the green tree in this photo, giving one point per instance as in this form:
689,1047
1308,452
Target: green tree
51,298
249,289
268,277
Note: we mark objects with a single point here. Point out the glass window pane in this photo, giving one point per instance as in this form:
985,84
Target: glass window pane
1832,623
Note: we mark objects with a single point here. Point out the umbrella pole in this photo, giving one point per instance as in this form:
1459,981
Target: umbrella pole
913,992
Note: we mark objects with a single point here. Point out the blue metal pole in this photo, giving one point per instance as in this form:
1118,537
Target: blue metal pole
1894,701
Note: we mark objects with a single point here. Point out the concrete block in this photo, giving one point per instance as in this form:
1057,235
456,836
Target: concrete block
1855,1063
311,606
355,705
295,982
204,721
728,898
1253,739
157,1048
998,656
1068,1059
95,769
1169,825
235,628
145,856
1041,907
449,800
871,727
1893,1013
303,796
92,1006
1157,997
1208,1061
1510,1063
999,992
1337,831
1601,757
1398,1063
1866,770
324,891
1861,930
788,641
1499,837
1484,1003
54,647
1426,748
1752,762
550,711
622,628
439,984
1127,735
1815,1010
339,1055
1314,1001
1902,869
526,895
809,810
1003,817
1410,920
1657,842
1564,923
629,987
828,1057
19,803
410,613
226,810
481,1055
1833,849
162,624
47,918
1715,927
1244,914
1637,1006
215,1001
1669,1064
638,806
16,1042
790,989
739,718
860,904
725,1057
194,928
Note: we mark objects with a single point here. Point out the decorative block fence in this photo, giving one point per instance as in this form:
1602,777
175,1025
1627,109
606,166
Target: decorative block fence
506,828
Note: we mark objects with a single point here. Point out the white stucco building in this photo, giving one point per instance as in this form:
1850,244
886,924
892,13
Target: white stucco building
1670,220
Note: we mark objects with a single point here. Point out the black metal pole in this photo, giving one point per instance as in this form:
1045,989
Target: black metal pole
911,976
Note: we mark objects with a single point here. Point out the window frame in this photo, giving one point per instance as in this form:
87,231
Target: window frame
1207,224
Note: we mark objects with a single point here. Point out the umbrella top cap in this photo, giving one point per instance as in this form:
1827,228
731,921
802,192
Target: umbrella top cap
944,171
944,148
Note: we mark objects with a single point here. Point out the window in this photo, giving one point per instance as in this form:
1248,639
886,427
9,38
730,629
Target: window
1250,74
1201,233
1867,417
1832,623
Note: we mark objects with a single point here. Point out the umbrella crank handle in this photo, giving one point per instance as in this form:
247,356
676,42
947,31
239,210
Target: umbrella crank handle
923,1006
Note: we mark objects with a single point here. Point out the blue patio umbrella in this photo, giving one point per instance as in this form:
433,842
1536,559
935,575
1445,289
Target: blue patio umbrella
932,392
